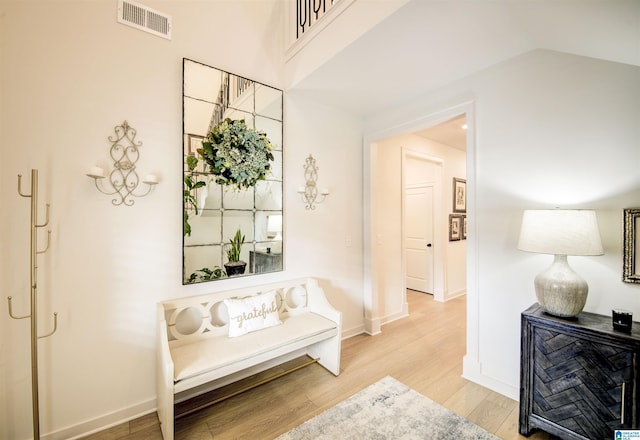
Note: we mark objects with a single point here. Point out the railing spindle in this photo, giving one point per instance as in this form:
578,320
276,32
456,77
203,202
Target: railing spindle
310,11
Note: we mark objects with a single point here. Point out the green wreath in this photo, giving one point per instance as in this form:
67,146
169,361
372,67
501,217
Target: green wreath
236,154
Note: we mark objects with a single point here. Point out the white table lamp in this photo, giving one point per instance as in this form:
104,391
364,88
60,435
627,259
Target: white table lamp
274,227
559,289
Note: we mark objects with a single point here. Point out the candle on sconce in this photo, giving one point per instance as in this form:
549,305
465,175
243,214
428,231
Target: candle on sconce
324,191
301,189
96,173
150,179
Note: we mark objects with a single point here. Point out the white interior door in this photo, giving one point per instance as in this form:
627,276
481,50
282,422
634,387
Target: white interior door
418,238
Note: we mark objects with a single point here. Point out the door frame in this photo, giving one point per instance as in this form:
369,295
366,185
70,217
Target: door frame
438,234
371,294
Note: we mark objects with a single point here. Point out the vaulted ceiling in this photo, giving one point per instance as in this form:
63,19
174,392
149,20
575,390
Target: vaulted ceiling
428,43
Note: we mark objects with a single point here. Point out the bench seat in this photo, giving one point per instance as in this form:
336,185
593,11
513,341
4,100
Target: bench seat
214,353
197,353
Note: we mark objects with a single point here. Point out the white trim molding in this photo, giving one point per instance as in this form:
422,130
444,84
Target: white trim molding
471,360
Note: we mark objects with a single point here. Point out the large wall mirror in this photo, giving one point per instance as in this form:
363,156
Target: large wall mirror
224,222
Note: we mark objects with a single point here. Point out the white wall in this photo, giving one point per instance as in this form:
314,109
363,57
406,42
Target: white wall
326,242
388,219
69,74
551,130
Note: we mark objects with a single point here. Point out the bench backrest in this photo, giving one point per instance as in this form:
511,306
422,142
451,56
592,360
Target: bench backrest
204,316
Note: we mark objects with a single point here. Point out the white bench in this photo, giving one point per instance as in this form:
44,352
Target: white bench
196,353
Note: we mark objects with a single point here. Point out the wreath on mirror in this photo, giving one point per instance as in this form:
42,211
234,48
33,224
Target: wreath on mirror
237,155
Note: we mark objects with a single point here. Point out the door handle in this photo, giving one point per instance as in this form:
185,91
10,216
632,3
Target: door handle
622,404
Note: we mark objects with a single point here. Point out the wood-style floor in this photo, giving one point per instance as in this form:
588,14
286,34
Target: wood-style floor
424,351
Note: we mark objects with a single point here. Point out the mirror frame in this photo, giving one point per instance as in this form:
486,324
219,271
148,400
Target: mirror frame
221,210
631,271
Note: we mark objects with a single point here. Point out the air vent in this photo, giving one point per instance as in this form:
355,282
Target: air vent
144,18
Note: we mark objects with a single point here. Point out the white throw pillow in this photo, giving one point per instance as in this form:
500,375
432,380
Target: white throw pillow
252,313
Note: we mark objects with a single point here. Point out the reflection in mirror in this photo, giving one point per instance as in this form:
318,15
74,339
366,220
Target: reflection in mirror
213,209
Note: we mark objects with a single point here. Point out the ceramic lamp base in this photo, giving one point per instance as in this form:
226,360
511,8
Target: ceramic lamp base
560,290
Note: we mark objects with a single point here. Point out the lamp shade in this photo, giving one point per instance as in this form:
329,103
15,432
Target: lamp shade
274,224
560,232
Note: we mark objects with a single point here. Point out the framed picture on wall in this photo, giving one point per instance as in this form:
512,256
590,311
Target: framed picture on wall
464,227
459,195
455,227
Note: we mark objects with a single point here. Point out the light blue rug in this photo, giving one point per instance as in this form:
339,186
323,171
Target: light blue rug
386,410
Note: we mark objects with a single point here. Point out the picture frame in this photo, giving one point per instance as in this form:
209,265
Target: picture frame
455,227
631,264
459,195
464,227
193,143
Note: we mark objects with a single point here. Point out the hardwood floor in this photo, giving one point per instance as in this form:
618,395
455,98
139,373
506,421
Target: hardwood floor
424,351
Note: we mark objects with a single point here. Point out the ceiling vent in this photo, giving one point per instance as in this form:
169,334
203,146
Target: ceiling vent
144,18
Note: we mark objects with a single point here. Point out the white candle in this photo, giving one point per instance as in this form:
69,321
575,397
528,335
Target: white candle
301,189
150,179
325,191
96,173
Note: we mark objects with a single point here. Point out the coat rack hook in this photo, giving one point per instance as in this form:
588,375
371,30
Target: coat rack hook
55,326
48,243
46,222
20,187
11,311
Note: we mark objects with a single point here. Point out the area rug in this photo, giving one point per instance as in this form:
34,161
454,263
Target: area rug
387,409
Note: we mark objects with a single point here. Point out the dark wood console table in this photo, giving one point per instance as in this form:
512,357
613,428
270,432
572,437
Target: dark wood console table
578,376
262,262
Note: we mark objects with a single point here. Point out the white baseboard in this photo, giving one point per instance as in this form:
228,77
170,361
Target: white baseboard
372,326
395,317
472,370
103,422
456,294
127,414
354,331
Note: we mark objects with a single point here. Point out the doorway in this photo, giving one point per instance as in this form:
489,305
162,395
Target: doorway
383,277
